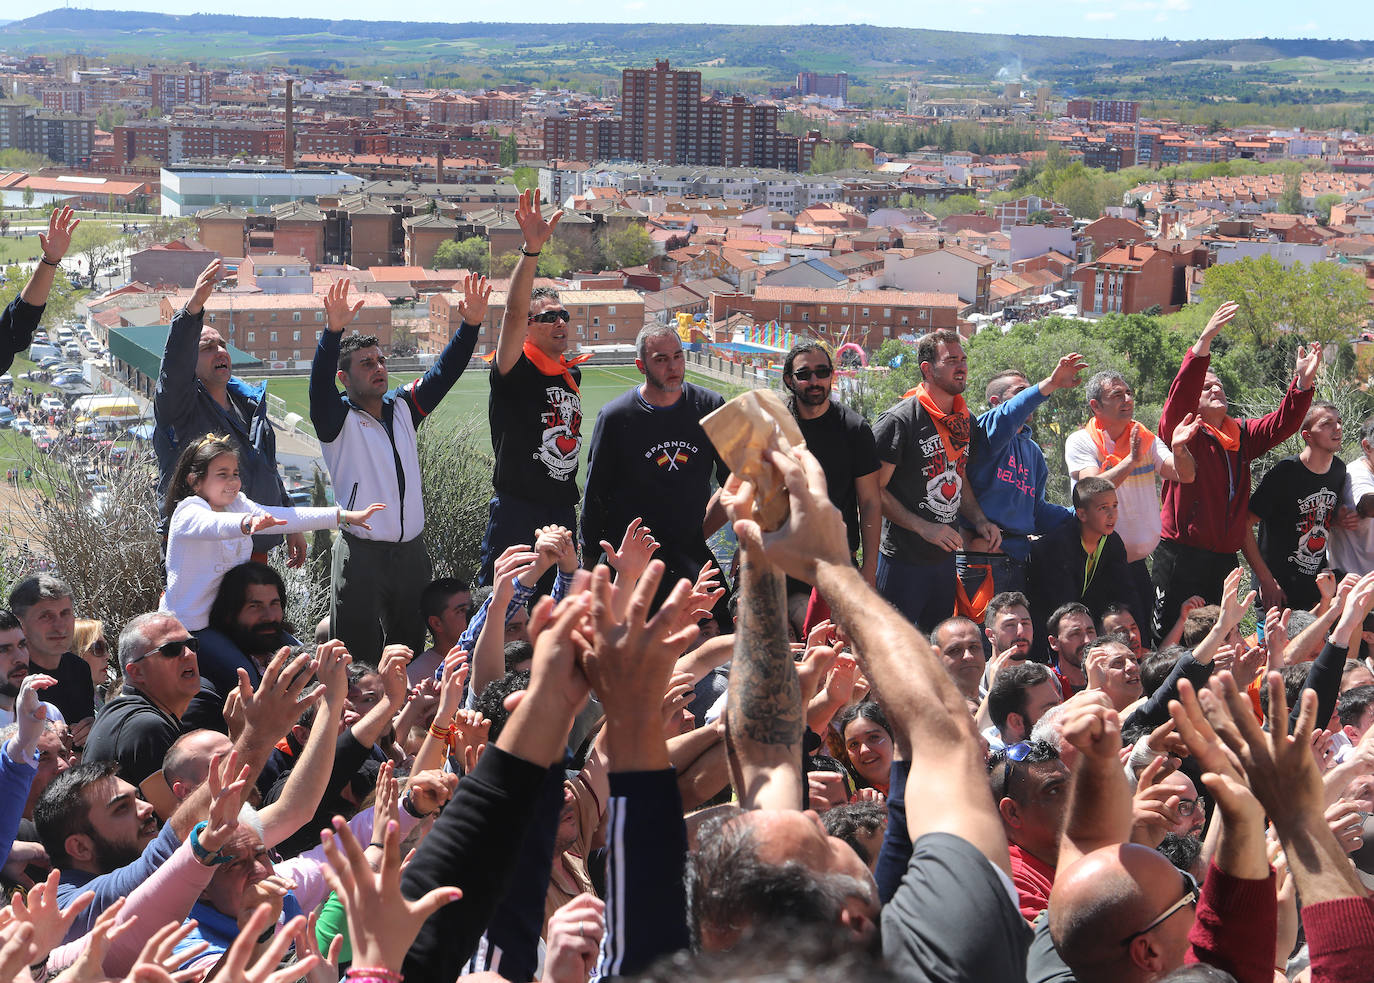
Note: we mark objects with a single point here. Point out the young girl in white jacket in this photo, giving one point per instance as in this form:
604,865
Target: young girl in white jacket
213,524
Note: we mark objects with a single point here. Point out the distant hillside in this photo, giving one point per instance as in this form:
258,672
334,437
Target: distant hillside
728,54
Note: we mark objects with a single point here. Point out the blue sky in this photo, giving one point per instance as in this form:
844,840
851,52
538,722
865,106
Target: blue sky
1080,18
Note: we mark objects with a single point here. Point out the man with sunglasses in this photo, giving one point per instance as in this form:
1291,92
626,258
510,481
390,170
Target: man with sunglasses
1030,785
535,408
843,442
161,677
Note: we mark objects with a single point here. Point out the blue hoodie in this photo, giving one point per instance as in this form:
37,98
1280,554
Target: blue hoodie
1008,474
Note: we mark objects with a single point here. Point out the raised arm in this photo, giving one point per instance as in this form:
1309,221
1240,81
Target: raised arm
764,709
932,724
515,321
54,245
327,409
423,395
305,786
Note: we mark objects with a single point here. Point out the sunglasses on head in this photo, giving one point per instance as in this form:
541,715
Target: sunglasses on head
1010,756
549,317
820,372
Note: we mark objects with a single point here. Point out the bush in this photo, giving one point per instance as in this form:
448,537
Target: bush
455,468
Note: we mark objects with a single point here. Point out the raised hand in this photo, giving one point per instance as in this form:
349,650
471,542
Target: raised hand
205,283
392,669
338,313
89,965
1091,724
1220,318
227,783
58,239
531,221
637,548
234,965
1154,808
476,295
1233,608
30,714
1309,361
382,923
1185,431
48,921
277,703
1066,372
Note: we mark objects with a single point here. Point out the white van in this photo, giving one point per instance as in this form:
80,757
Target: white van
41,350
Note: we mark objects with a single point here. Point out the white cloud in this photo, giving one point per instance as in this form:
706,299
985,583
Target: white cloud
1100,15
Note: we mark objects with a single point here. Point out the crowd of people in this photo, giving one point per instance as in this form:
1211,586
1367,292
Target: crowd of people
927,725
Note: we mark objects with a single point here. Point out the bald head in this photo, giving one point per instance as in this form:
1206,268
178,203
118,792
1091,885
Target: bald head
187,762
1103,898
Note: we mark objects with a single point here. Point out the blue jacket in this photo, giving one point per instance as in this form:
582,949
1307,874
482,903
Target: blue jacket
184,411
1009,474
16,778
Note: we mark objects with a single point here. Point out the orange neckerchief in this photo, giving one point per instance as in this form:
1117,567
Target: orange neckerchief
1228,436
1111,458
954,427
547,364
975,607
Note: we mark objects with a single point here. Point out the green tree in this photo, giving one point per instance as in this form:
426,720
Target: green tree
837,157
97,242
1262,289
1332,303
471,254
510,151
1323,209
28,197
627,246
1290,201
525,178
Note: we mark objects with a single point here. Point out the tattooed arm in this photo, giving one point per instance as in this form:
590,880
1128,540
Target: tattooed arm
932,724
763,715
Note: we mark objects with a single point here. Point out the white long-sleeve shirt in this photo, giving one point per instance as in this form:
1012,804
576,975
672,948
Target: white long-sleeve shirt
203,545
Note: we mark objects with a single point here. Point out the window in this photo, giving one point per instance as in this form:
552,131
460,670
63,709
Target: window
252,336
274,336
610,329
211,318
865,310
295,336
824,309
844,311
806,315
923,315
295,315
596,320
887,312
319,316
272,355
611,309
787,308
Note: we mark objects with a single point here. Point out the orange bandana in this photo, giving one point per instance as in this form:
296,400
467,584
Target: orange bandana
1228,436
954,427
975,607
547,364
1111,458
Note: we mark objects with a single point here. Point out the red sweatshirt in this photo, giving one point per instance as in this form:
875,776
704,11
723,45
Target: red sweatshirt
1340,940
1210,512
1237,920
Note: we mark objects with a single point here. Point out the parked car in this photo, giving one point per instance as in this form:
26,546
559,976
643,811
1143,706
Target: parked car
50,361
23,426
6,417
51,404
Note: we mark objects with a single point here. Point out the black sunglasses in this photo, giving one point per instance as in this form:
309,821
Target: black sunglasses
549,317
173,650
820,372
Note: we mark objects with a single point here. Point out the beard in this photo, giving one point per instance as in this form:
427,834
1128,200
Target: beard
111,856
8,689
809,395
262,639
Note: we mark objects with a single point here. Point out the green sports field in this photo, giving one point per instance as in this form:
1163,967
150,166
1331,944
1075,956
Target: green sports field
466,403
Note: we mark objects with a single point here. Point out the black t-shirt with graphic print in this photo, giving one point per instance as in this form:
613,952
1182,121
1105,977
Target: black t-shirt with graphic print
536,433
653,463
925,480
1296,509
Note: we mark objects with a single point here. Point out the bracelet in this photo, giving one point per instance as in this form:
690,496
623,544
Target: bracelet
338,518
50,262
444,734
266,936
203,856
379,846
376,973
526,252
